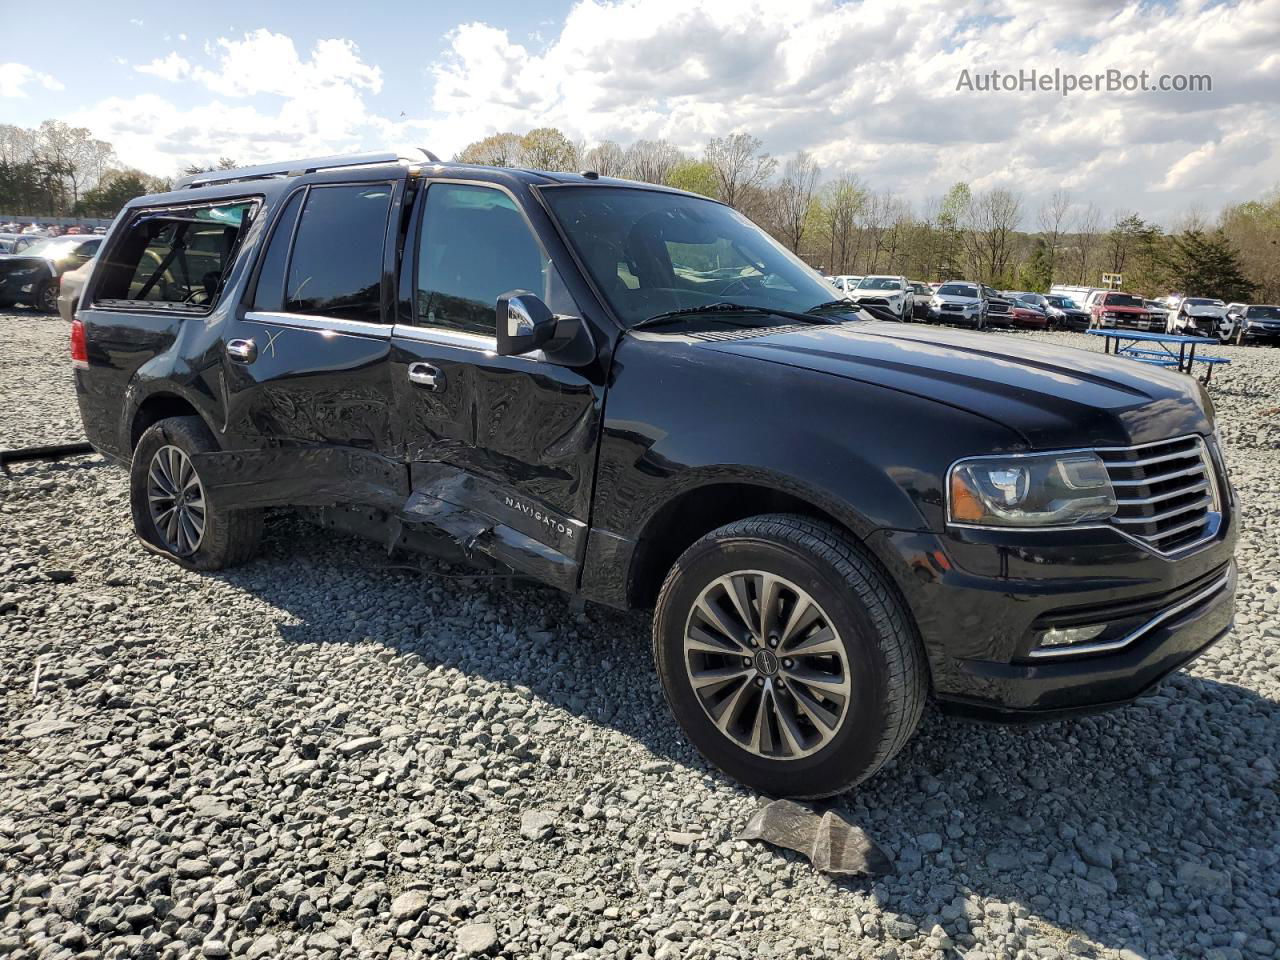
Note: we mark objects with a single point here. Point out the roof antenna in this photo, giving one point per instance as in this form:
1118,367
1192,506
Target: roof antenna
430,156
590,175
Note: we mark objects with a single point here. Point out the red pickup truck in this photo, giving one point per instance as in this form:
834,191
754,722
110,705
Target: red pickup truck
1115,309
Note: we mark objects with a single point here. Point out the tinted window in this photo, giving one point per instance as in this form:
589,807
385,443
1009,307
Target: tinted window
270,292
336,267
957,290
475,247
174,257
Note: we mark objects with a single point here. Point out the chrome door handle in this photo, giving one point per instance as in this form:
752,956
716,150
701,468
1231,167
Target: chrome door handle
425,375
242,351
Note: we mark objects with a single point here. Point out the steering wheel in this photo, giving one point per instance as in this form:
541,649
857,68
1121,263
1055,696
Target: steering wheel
748,283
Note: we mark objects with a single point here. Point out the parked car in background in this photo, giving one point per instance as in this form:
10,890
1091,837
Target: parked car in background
959,302
923,292
1200,316
1064,313
891,293
845,283
32,276
1159,313
1250,322
1114,308
18,242
999,308
69,288
1027,315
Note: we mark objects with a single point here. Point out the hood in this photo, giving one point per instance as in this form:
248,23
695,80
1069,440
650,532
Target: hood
1204,310
1118,309
1054,397
956,298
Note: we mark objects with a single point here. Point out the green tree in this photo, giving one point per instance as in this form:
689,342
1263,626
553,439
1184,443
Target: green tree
115,189
696,176
1207,265
1036,273
546,148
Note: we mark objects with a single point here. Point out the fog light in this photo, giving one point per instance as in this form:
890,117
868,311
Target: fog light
1066,636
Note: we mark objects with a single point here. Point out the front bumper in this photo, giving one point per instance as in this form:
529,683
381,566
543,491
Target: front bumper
938,315
1257,332
979,599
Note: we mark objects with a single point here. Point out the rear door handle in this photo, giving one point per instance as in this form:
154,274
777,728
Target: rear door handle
425,375
242,351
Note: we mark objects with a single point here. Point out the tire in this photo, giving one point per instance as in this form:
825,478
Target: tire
227,538
46,298
874,652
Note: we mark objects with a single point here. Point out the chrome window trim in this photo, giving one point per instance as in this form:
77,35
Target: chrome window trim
1045,653
307,321
1209,466
462,339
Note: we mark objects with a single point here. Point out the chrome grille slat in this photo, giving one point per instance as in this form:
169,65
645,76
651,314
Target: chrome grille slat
1168,514
1172,499
1139,501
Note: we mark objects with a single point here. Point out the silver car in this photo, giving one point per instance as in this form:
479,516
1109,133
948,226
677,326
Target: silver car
960,302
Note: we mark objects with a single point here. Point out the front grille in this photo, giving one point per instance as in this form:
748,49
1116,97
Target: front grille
952,306
1166,492
994,307
874,301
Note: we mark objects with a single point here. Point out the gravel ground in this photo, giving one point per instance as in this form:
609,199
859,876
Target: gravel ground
314,756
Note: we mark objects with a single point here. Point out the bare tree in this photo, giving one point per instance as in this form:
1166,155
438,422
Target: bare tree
652,160
606,158
1088,230
839,206
1052,218
74,154
739,165
993,217
793,198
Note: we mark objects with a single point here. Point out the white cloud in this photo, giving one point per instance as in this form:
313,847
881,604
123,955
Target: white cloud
172,67
16,77
871,88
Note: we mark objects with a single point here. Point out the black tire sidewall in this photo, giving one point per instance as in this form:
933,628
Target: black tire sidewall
191,436
48,289
854,748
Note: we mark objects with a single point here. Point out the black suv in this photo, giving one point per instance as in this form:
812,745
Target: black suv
634,394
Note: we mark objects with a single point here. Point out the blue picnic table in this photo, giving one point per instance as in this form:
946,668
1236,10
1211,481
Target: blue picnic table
1169,349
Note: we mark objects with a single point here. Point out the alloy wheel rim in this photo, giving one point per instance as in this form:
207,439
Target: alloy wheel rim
175,498
767,665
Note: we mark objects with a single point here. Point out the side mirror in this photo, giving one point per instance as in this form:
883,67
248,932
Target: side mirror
525,323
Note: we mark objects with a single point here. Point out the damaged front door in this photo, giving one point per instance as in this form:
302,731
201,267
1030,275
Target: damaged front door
501,449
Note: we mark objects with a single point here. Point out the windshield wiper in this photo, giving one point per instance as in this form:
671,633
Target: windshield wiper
827,305
875,312
725,307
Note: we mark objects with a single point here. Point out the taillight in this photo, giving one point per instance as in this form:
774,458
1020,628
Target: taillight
79,345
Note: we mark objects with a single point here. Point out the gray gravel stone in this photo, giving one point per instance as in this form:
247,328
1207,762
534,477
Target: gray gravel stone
274,758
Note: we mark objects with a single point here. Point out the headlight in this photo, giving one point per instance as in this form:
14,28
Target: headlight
1037,490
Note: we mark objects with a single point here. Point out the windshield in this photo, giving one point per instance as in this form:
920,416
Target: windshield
1063,303
1122,300
957,290
1263,313
1202,302
652,252
879,283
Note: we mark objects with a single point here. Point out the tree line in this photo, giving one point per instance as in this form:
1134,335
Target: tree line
840,225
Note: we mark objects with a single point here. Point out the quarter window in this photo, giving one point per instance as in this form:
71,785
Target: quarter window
336,266
475,246
175,257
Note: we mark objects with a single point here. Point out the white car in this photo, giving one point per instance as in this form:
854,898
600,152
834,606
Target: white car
894,294
845,283
1200,316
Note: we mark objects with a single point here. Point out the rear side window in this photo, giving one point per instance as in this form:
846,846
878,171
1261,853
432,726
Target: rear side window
336,266
176,257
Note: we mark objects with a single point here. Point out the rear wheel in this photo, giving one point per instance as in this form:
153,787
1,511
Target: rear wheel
171,510
787,657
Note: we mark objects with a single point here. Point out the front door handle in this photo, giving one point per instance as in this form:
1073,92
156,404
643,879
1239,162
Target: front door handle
425,375
242,351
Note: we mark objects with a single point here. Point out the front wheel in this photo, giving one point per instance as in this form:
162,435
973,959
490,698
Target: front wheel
787,657
171,509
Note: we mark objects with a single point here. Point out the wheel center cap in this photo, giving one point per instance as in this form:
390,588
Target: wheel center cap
766,662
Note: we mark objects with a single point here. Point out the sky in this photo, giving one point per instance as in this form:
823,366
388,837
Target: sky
888,90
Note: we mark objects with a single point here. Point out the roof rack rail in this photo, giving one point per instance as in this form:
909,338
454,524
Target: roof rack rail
295,168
